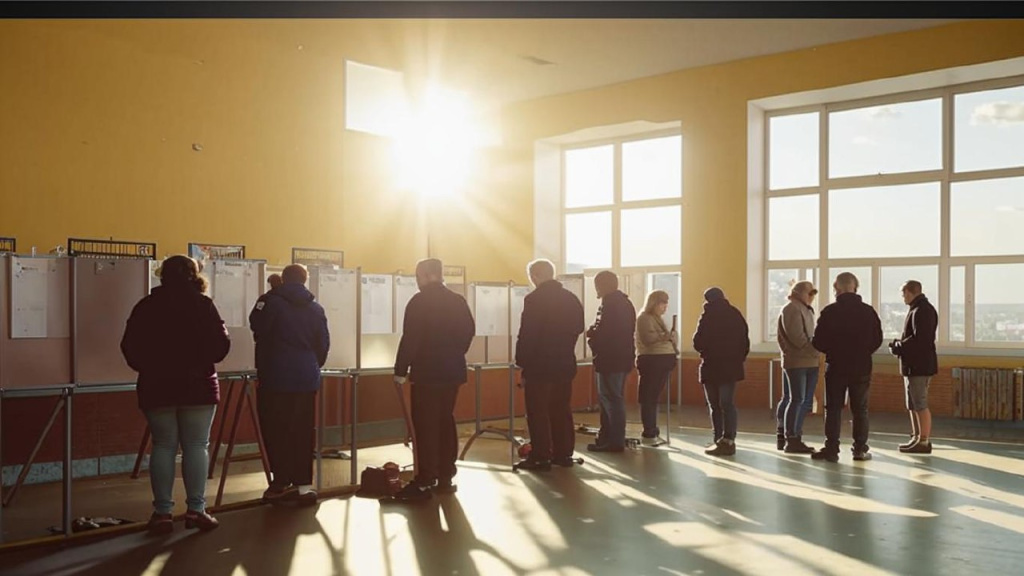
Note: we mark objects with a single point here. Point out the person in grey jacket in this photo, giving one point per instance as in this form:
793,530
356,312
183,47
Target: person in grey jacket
799,368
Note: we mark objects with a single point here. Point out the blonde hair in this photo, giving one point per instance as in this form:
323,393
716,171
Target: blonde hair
654,298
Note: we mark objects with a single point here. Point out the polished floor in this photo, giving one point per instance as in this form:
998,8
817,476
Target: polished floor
662,511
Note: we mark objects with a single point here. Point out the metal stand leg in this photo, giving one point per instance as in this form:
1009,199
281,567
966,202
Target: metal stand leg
220,429
142,453
353,398
249,390
61,403
319,437
244,398
68,472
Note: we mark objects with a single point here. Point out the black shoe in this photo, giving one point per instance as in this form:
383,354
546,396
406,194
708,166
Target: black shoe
445,486
913,440
780,441
534,465
861,455
825,455
919,448
414,492
797,446
724,447
604,448
278,494
565,461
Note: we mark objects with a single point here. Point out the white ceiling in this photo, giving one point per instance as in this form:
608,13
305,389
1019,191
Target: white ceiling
486,57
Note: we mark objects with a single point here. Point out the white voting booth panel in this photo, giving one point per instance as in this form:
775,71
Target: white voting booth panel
405,289
490,307
516,317
235,285
337,290
379,343
574,283
670,283
106,291
35,314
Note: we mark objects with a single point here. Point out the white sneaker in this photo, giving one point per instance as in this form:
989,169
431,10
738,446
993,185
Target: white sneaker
651,441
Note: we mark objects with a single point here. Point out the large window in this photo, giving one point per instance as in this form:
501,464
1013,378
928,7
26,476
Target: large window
926,186
622,204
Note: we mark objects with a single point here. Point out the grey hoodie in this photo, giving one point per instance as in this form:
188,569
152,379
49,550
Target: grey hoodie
795,331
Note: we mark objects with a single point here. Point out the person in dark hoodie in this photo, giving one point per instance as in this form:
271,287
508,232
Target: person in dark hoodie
437,331
918,363
292,339
552,321
723,342
848,333
173,338
612,342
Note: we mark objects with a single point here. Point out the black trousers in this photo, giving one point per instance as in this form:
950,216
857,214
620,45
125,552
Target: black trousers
287,423
549,416
836,387
654,371
437,440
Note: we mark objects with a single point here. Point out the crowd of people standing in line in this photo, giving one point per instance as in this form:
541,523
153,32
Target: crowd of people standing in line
175,337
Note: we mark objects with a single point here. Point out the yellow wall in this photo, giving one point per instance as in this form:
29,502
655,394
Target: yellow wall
711,104
98,119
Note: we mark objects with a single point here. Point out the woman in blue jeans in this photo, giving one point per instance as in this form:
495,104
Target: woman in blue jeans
800,368
173,338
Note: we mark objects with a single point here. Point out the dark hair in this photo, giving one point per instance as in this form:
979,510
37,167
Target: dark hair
607,279
294,274
180,271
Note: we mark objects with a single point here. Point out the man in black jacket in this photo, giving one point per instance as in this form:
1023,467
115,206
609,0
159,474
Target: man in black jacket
612,341
848,333
918,363
552,322
723,341
292,342
437,331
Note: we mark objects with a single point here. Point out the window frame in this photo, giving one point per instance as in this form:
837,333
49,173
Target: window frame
945,176
617,204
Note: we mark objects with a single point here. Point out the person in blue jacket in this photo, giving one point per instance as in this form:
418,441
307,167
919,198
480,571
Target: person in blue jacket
291,333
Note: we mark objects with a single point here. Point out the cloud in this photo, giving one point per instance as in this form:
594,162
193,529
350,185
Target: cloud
864,141
883,112
998,113
1009,208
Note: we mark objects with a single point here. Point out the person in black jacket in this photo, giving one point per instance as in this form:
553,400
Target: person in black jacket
611,340
292,342
918,363
437,331
848,333
552,322
173,339
723,341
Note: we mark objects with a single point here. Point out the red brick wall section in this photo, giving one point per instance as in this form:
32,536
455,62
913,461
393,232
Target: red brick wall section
108,424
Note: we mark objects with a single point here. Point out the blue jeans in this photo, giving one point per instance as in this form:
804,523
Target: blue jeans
722,404
613,409
188,426
799,388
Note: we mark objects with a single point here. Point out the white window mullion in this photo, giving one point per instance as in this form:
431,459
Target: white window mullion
617,203
824,289
969,305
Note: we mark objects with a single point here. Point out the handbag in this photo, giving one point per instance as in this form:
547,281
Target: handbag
380,482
